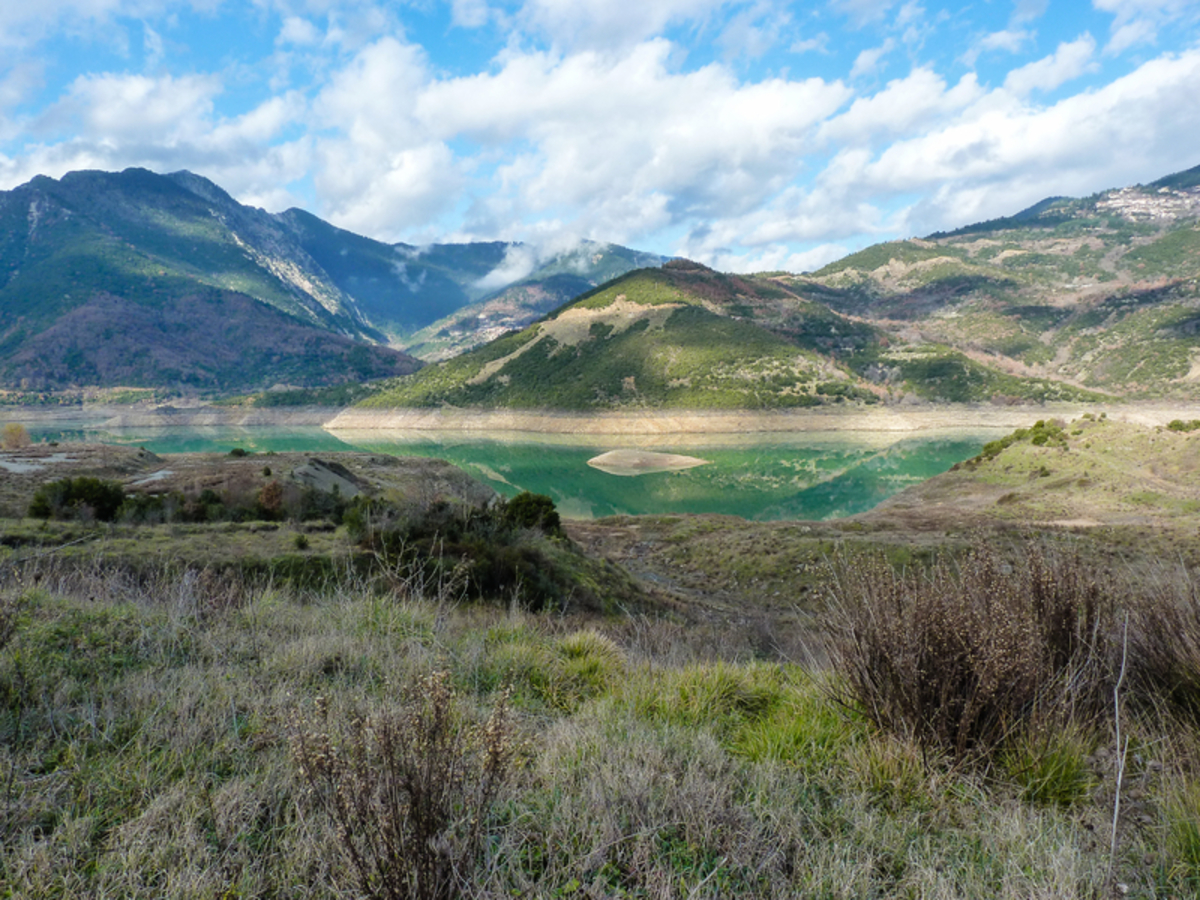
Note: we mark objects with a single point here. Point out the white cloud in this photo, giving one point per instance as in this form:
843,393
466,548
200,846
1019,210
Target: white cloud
298,32
603,24
627,141
152,48
120,108
914,103
1009,40
867,62
818,43
1068,62
1139,21
1028,10
1000,158
469,13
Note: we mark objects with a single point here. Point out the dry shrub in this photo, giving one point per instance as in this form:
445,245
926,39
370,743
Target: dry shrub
14,436
409,791
962,657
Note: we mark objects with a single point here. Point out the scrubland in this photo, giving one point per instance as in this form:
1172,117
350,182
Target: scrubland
981,728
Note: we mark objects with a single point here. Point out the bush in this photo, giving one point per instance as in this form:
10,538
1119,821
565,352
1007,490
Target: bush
492,548
14,436
82,497
528,510
410,791
962,659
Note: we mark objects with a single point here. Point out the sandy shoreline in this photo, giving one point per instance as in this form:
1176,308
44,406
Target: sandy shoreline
923,419
891,419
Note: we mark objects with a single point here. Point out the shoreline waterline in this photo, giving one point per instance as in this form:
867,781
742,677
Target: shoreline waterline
925,419
892,419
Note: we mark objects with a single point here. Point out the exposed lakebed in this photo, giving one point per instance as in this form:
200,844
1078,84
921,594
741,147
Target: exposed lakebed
756,476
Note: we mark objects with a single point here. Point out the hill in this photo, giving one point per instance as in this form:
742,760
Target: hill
685,336
1088,474
554,283
1101,292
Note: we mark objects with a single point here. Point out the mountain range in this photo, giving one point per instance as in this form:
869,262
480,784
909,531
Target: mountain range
187,288
134,278
1072,299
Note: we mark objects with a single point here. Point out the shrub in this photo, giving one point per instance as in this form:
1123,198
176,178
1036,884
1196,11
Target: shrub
527,510
14,436
962,659
410,791
488,546
269,502
82,497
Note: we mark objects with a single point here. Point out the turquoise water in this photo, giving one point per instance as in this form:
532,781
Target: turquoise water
761,477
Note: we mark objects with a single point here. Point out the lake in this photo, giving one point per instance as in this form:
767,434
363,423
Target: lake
759,476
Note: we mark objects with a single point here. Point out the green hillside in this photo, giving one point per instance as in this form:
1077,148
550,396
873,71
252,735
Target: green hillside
1100,293
684,336
563,277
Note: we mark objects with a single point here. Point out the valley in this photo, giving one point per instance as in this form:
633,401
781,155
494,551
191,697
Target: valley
234,566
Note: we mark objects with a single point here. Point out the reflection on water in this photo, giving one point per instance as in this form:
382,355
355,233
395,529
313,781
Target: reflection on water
762,477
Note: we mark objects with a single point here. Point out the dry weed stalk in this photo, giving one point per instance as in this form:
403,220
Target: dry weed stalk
409,791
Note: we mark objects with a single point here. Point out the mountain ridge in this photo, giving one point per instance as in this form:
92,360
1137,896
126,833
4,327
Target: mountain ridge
151,241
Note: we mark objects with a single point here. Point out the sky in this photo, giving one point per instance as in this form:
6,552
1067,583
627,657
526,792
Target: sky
750,135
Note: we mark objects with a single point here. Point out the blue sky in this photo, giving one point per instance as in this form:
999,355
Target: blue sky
748,135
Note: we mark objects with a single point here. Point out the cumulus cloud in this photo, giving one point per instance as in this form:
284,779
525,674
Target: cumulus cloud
135,107
913,103
997,160
1068,62
627,141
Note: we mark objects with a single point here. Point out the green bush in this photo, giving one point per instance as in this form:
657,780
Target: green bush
527,510
490,549
82,497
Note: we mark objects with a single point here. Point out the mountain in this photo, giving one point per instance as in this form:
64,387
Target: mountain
156,264
439,300
685,336
148,280
1102,293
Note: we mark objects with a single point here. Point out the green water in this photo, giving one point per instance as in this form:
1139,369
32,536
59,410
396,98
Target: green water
757,477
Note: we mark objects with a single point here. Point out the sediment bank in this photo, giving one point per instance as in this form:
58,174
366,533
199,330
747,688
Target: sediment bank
654,422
